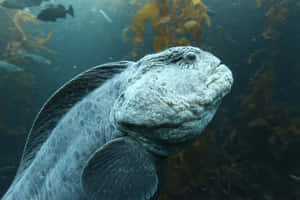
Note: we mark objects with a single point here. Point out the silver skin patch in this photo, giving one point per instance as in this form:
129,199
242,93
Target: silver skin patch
171,96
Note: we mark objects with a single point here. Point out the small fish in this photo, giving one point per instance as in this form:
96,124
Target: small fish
107,18
53,12
210,11
20,4
36,58
10,67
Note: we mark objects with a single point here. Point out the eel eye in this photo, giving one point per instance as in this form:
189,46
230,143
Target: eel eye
190,57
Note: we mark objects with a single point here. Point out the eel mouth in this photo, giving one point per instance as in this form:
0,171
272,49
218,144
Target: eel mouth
128,127
142,128
217,85
166,133
214,71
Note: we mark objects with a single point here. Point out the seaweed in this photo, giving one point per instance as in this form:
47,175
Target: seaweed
19,109
171,25
260,98
255,53
21,40
21,17
185,171
258,151
275,17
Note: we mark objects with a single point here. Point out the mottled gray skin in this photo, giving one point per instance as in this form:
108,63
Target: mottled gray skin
56,169
162,102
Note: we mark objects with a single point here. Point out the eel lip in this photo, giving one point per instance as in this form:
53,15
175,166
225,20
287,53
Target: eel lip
216,68
136,127
211,81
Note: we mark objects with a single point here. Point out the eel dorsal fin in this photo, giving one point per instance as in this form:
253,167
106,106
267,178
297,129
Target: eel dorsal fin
61,101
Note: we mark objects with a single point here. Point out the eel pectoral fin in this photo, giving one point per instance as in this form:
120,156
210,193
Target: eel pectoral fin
121,169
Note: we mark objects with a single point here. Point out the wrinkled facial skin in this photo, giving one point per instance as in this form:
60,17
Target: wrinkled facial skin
171,96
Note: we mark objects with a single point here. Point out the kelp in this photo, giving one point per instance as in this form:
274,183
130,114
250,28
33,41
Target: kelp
268,133
185,171
260,98
243,159
19,109
21,17
149,10
37,42
255,53
171,25
275,17
22,40
41,40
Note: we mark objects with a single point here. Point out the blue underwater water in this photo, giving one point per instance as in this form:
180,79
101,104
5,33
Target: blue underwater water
251,148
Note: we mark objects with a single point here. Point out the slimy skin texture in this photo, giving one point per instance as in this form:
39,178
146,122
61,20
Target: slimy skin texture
98,137
171,96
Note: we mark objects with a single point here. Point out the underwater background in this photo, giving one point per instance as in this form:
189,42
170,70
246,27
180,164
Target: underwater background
251,150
